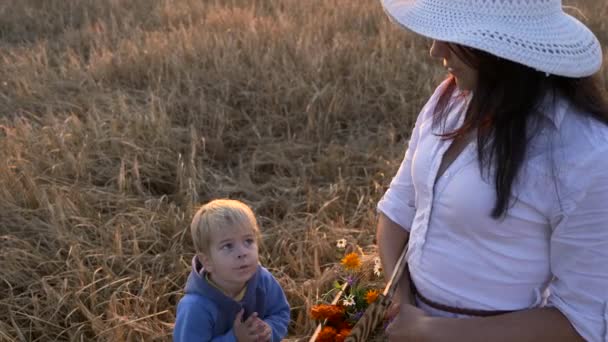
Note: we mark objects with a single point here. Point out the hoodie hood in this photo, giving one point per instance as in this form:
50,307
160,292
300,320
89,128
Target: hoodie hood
198,284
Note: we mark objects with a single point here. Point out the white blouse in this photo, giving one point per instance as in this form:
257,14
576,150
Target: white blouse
552,246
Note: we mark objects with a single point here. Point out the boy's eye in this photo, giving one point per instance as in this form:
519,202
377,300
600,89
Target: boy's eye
249,242
227,246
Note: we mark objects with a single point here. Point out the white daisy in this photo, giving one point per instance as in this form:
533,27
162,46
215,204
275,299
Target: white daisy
341,243
349,300
378,270
377,261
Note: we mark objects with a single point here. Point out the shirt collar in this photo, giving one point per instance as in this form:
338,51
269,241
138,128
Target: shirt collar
553,107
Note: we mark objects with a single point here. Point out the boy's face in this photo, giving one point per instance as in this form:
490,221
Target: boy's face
233,257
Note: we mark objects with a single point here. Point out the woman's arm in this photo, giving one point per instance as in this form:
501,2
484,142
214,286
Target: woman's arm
534,325
391,240
578,300
579,246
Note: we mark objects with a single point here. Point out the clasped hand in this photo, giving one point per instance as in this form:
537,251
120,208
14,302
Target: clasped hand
253,329
408,323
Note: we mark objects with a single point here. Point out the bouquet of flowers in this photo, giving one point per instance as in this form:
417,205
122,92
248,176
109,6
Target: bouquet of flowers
356,287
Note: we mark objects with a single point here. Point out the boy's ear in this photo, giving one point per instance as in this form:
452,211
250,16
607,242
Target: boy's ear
206,261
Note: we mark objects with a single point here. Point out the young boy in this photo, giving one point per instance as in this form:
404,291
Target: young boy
229,296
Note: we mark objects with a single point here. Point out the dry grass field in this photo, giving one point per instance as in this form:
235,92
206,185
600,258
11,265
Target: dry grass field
119,117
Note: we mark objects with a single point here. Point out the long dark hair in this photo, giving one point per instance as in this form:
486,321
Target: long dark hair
502,107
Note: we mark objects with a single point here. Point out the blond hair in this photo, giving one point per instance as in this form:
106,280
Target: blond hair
218,215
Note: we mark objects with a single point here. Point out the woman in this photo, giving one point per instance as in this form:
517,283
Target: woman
502,197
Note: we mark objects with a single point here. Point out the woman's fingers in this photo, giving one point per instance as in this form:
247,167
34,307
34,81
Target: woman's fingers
392,311
405,326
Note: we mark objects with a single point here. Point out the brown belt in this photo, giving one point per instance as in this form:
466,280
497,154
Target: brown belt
461,311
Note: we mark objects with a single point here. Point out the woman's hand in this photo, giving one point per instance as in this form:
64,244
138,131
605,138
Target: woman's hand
403,296
410,324
392,311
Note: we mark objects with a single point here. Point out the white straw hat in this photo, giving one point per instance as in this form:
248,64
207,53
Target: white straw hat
536,33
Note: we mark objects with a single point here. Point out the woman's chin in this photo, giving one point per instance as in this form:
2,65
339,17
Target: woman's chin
463,85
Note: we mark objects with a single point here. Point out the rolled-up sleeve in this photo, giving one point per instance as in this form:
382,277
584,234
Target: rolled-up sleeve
579,256
399,201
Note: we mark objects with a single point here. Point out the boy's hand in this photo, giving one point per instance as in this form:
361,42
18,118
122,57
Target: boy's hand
264,331
248,330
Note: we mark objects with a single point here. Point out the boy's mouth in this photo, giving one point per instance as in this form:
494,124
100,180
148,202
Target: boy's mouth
243,267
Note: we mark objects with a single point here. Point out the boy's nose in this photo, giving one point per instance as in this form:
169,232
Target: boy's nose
241,253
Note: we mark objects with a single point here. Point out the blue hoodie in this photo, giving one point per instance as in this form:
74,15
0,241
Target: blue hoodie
206,314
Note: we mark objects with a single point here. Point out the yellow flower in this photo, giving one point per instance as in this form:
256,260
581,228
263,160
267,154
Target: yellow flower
351,261
371,296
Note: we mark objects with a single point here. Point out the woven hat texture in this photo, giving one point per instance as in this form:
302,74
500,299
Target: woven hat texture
536,33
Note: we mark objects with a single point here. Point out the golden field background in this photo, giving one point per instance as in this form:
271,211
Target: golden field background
119,117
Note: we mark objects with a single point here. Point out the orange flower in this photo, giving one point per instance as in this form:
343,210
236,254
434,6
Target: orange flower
371,296
351,261
332,313
327,334
345,332
342,335
344,326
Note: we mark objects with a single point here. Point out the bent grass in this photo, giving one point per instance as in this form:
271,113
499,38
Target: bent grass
117,118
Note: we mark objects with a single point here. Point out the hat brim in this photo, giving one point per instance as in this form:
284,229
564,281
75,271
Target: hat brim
559,45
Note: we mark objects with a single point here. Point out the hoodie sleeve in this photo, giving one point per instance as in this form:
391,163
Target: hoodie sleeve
195,323
277,314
